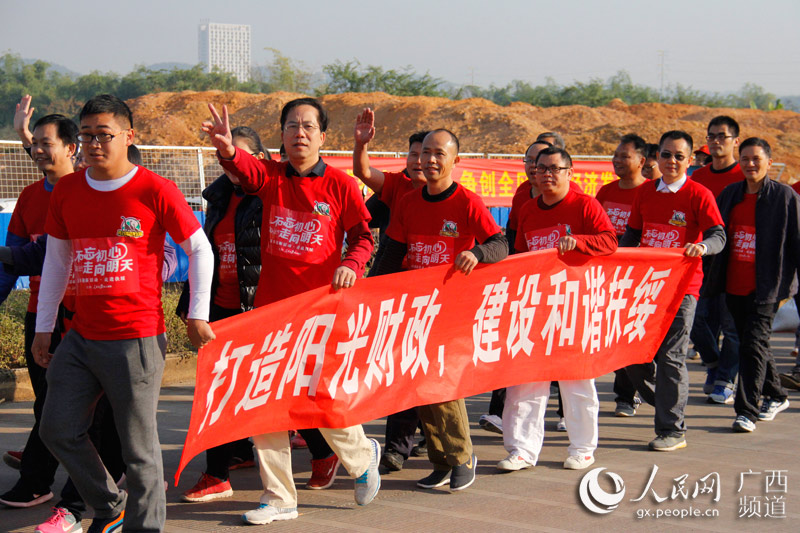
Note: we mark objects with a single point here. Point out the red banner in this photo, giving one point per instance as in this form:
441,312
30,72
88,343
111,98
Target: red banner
335,359
496,180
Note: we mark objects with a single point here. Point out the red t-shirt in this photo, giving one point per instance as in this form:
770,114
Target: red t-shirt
716,180
541,226
741,278
395,186
27,222
305,219
117,242
796,187
436,232
522,196
617,202
670,220
227,294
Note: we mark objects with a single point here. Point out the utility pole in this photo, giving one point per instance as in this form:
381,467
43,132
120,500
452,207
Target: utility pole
661,60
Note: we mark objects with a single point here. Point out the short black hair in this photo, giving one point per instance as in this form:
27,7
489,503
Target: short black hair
676,135
639,144
452,135
66,129
537,141
313,102
756,141
558,140
651,151
250,135
134,154
725,120
107,103
555,150
417,137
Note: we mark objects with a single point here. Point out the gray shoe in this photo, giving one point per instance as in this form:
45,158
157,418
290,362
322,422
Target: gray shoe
464,475
437,478
664,443
369,483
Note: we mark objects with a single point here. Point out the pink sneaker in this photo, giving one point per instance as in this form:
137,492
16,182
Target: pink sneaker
62,521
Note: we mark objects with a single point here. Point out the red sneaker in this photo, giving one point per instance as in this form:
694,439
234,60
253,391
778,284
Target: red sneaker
238,462
323,472
297,441
208,488
13,458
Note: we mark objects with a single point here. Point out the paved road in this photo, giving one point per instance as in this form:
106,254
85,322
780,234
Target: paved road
544,498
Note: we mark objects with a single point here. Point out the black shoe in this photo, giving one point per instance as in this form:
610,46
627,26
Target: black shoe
392,461
437,478
420,450
464,475
107,525
20,496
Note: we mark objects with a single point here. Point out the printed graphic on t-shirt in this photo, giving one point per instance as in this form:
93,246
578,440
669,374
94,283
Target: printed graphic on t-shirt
227,256
429,250
744,244
546,238
619,214
663,235
300,236
449,229
105,265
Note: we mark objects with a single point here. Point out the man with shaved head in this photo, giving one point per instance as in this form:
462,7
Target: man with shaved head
445,214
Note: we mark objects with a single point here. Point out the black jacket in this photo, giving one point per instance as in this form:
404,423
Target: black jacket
777,240
247,229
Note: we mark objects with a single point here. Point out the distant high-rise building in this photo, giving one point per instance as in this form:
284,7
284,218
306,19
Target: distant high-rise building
225,46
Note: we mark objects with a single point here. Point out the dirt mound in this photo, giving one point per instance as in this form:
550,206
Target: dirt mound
482,126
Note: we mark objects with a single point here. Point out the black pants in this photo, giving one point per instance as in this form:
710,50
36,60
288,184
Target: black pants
400,430
38,467
758,375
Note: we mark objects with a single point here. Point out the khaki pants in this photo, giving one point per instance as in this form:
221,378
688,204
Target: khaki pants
446,428
275,461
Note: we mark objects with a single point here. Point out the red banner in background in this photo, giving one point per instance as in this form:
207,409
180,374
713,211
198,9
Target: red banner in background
495,180
325,359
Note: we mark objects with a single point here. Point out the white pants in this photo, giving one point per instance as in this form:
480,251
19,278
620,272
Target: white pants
523,417
275,460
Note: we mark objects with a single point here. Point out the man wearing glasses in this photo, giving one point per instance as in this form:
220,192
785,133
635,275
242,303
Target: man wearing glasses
569,221
713,317
673,212
107,224
293,261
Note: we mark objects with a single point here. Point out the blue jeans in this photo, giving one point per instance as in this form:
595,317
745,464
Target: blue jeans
711,319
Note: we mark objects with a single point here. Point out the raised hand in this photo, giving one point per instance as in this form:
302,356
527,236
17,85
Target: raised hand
219,131
22,120
365,127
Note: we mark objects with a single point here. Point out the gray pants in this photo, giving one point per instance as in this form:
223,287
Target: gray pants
129,372
670,392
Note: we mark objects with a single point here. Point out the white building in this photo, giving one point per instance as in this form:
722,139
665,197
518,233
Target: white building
225,46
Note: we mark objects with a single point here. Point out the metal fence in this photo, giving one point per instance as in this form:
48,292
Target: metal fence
190,167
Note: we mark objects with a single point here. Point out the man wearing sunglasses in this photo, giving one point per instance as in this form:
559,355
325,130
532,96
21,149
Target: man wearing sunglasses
713,317
673,212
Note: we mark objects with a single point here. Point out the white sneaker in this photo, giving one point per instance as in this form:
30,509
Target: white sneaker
514,462
369,483
578,462
491,423
562,424
266,514
770,408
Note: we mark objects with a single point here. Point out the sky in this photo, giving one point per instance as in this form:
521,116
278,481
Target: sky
710,45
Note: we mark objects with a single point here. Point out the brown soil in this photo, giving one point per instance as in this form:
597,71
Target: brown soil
482,126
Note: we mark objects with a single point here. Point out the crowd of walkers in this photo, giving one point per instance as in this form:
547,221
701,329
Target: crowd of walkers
91,234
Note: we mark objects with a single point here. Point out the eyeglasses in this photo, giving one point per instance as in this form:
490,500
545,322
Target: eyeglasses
528,160
718,137
667,155
294,127
102,138
541,169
